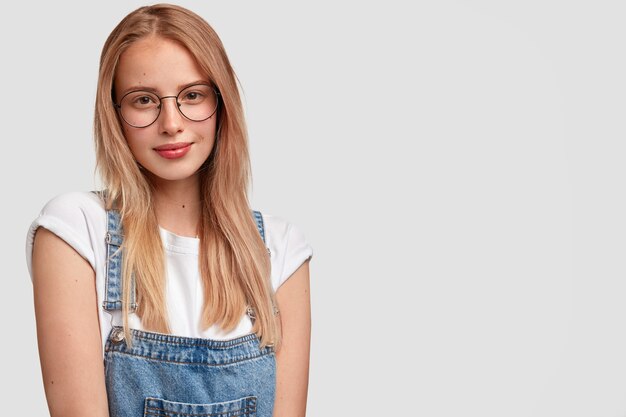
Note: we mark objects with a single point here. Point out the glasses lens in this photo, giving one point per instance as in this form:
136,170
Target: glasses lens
140,108
198,102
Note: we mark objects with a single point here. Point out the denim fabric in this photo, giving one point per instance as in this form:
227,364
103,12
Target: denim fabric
112,286
167,375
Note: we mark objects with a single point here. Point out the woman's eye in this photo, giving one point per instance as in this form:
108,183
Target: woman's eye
144,100
193,96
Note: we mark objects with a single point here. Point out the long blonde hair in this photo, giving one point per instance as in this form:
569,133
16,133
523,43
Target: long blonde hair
234,263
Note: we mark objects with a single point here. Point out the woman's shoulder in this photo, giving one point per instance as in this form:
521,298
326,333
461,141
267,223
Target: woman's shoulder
288,245
72,201
75,208
77,217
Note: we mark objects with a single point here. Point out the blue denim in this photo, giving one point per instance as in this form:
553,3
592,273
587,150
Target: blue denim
166,375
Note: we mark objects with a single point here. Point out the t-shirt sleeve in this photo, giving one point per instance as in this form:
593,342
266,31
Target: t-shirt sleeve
64,216
297,251
289,246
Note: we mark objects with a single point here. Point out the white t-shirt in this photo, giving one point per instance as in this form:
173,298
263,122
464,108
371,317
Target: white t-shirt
79,218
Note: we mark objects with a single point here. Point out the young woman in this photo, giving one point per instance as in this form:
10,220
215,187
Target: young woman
165,294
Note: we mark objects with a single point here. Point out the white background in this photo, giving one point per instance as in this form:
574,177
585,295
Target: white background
457,167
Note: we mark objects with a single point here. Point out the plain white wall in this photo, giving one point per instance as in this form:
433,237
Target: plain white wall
456,165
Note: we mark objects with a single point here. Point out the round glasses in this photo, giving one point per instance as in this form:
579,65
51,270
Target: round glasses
141,108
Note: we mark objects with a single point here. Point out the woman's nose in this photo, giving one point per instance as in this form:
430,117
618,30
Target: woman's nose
171,121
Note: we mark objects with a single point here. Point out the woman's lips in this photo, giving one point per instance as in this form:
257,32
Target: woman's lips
174,150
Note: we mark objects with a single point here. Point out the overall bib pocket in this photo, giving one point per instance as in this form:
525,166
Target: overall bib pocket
243,407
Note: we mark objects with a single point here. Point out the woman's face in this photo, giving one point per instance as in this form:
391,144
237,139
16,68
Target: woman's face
164,67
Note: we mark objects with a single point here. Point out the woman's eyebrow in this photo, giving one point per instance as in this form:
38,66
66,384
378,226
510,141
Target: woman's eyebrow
183,86
155,91
138,88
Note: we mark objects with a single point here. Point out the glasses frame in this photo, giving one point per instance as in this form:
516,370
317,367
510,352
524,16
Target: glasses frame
118,106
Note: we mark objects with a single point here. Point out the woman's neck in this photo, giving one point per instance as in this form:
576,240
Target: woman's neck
178,205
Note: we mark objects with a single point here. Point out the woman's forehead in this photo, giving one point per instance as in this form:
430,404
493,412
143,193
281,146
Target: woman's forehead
157,64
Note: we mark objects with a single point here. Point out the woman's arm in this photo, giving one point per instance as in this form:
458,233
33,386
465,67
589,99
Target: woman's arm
292,359
68,330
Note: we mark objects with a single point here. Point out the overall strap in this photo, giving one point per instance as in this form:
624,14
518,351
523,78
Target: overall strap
259,224
113,282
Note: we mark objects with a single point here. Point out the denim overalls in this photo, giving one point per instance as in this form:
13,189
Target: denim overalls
165,375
